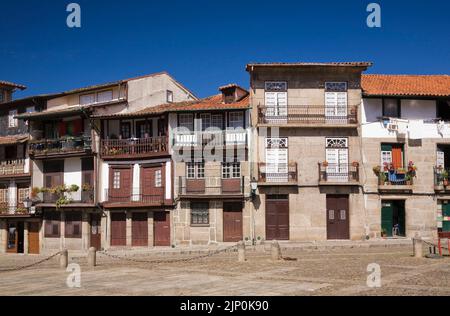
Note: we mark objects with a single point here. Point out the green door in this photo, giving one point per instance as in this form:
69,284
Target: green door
387,216
446,213
400,210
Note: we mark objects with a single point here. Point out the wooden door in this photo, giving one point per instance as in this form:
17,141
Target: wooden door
232,222
33,238
120,184
139,230
152,184
118,229
277,218
338,223
96,233
161,228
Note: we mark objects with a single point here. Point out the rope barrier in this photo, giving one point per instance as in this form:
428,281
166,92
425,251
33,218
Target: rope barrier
30,265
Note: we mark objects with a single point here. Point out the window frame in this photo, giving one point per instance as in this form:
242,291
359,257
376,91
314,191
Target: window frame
197,169
13,122
169,96
73,219
231,170
93,95
184,118
399,107
241,121
51,220
125,124
104,92
197,208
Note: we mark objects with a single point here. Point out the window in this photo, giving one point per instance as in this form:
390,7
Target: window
276,100
12,121
391,108
169,96
195,170
336,86
200,213
205,121
217,121
73,225
31,109
231,170
52,224
186,121
236,120
116,180
158,179
105,96
392,154
276,86
125,130
336,100
87,99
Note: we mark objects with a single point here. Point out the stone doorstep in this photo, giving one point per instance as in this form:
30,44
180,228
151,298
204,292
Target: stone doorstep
263,247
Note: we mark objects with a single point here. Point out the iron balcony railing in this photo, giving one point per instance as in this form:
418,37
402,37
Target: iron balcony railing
278,173
133,195
441,178
211,186
394,178
307,114
219,138
13,167
134,147
86,196
338,173
60,146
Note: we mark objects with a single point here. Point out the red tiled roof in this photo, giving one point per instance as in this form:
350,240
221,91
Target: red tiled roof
406,85
14,139
213,103
12,85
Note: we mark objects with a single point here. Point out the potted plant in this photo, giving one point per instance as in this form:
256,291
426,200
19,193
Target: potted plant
445,178
355,164
325,164
383,233
408,179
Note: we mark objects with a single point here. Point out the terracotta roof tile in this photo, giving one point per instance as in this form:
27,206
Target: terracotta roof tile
406,85
12,85
14,139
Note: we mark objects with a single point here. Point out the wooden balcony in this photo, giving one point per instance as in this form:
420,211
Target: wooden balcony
134,148
277,174
67,146
13,168
307,116
211,187
133,197
338,174
216,139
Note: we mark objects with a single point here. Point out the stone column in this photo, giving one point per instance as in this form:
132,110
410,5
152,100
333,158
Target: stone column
129,225
150,230
3,236
85,231
25,238
62,241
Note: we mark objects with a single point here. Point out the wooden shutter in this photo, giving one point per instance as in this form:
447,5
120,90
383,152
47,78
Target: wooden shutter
397,156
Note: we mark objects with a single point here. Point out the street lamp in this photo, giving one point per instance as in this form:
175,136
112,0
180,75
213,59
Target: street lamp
254,186
28,203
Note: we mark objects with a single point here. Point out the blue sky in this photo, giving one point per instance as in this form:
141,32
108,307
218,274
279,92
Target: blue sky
207,43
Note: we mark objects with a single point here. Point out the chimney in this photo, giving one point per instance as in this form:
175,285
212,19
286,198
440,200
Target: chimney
232,93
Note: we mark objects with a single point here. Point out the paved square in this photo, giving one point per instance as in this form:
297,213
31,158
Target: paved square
331,272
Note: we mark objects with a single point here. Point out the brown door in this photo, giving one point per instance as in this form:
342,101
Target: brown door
118,229
33,238
153,184
338,223
277,217
139,230
120,180
162,228
232,222
96,234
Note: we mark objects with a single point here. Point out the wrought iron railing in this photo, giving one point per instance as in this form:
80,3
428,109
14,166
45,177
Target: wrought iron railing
211,186
338,173
60,146
394,177
219,138
133,147
278,173
307,114
133,196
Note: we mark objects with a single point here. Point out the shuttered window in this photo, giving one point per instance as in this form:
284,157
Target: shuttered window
200,213
336,99
73,225
52,225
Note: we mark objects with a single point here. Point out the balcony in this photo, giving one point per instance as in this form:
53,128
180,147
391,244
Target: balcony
339,174
211,186
397,180
217,139
441,179
132,198
10,207
13,167
68,146
86,196
308,116
278,174
134,148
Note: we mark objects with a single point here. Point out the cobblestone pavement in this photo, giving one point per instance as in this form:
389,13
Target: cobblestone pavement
331,272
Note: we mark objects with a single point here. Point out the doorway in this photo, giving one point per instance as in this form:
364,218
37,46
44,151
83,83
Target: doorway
15,242
96,235
33,238
338,222
393,218
232,222
277,217
161,222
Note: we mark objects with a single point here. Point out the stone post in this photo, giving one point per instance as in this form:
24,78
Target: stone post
92,257
3,236
25,238
64,259
241,251
418,247
275,251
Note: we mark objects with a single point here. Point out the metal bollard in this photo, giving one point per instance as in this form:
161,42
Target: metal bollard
92,257
418,247
241,251
64,259
275,251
